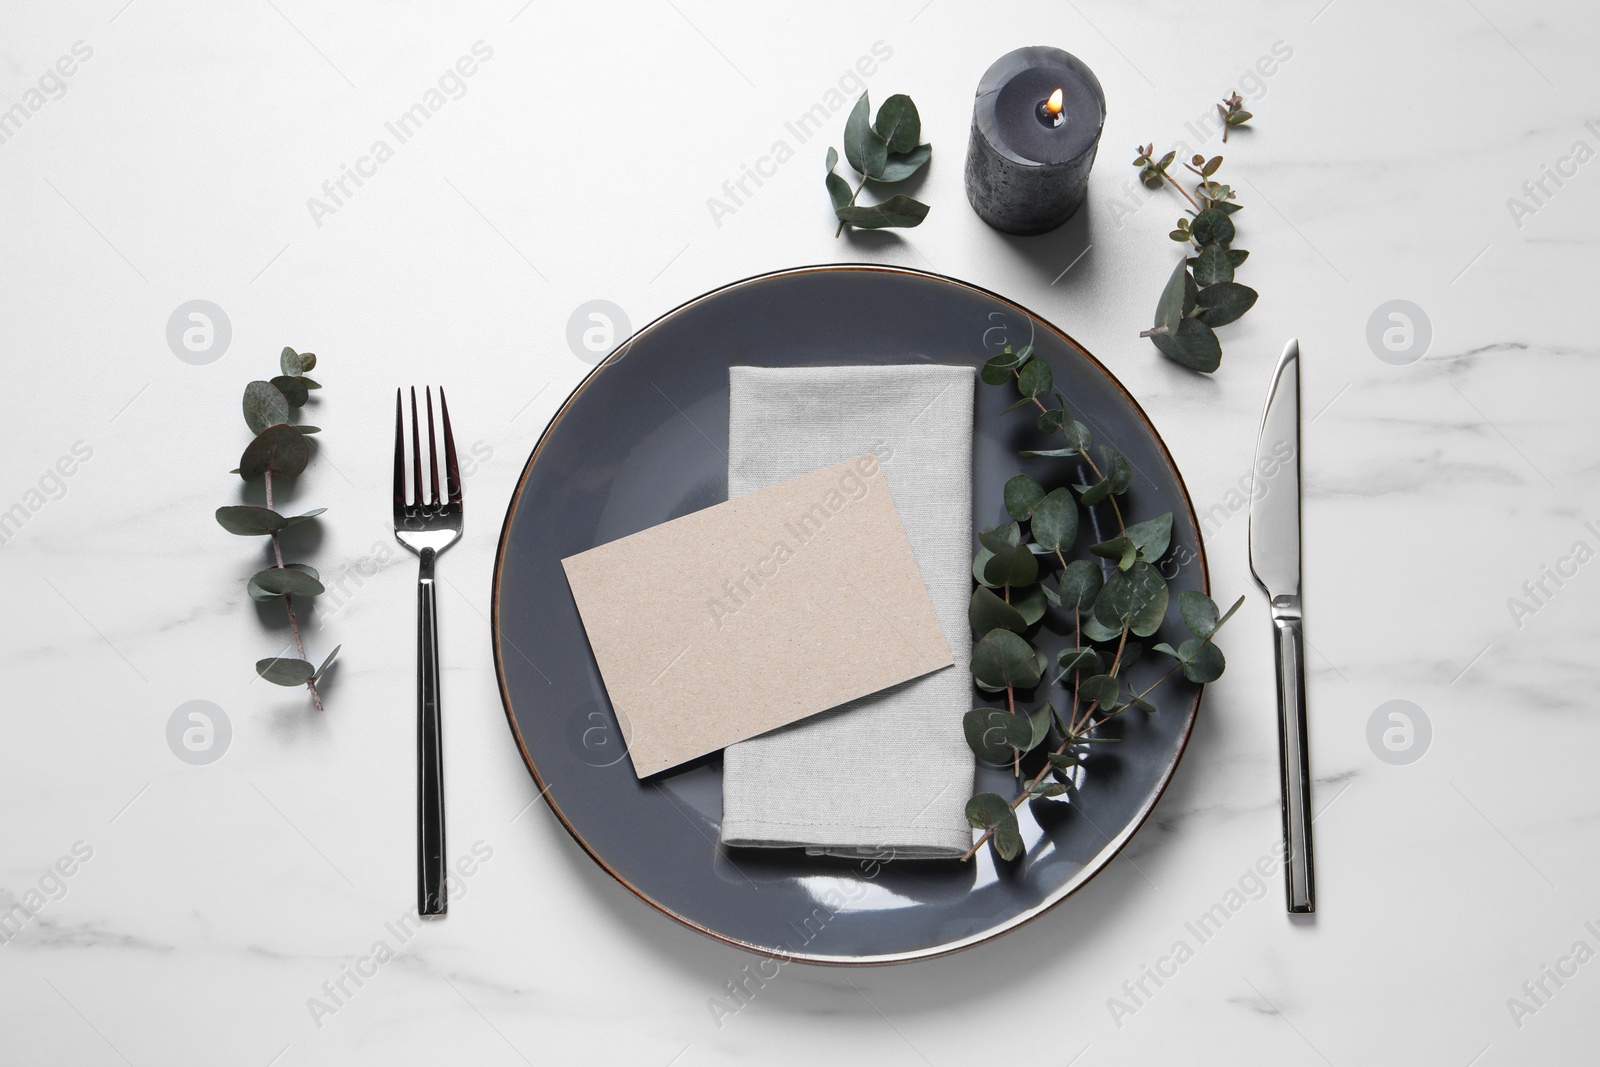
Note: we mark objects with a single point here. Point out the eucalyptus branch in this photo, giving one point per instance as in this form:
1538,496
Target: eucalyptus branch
279,448
1154,174
1200,294
1112,602
882,150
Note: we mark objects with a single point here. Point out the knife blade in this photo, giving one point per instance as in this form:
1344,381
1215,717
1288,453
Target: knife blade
1275,563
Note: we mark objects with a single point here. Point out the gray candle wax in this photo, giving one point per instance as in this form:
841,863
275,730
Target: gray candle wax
1026,171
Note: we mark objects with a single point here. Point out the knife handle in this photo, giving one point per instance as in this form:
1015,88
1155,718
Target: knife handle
1294,758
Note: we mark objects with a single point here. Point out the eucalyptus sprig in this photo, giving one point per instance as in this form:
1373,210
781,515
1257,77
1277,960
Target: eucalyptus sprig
279,449
883,151
1233,113
1122,596
1200,294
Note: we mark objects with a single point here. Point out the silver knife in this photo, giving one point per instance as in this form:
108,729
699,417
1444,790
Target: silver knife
1275,562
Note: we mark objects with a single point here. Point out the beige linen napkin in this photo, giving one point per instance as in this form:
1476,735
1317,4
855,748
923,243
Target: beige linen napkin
889,774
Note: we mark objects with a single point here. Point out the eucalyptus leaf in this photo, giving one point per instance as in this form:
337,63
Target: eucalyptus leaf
1202,660
264,405
1011,563
1225,302
995,735
1211,267
1007,533
292,388
980,563
1001,659
292,581
1195,346
1039,720
1079,661
1055,521
262,593
1121,474
838,189
1199,612
898,123
862,146
1047,789
1035,379
1135,598
1152,537
291,362
989,811
250,521
1120,548
1096,493
1021,494
285,671
1169,308
1029,603
898,210
994,373
303,428
281,449
1212,227
1095,630
326,663
1078,437
998,369
901,165
986,611
1080,584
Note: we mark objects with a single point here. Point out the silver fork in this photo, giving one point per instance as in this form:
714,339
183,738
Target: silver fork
427,528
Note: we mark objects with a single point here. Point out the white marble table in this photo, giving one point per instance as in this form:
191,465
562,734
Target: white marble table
210,908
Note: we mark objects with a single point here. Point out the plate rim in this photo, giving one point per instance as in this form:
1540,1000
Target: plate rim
1114,846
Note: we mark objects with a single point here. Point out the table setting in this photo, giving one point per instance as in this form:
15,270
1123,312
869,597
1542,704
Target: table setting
1047,564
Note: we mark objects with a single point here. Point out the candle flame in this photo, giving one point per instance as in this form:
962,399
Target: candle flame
1054,103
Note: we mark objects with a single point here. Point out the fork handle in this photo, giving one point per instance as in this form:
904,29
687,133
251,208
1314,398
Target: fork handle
430,763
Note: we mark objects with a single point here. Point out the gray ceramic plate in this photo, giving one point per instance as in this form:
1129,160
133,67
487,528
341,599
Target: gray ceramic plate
642,441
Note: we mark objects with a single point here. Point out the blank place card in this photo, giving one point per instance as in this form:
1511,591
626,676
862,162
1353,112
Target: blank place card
755,613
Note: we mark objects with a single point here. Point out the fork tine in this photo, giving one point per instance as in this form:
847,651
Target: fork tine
416,454
399,457
452,472
433,450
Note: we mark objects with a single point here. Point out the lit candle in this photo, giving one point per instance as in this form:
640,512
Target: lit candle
1035,128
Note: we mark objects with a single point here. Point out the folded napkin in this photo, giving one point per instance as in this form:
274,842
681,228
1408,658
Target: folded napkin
889,774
